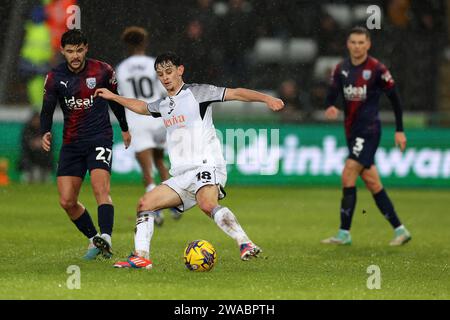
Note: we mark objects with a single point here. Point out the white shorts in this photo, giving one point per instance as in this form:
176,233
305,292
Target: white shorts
188,184
148,134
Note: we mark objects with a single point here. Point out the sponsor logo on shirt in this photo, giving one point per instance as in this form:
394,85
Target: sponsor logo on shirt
79,104
175,120
352,93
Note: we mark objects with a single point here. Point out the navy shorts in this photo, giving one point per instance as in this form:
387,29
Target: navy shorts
362,148
76,158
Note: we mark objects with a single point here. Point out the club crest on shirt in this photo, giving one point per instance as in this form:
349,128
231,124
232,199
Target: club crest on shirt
91,83
367,74
171,105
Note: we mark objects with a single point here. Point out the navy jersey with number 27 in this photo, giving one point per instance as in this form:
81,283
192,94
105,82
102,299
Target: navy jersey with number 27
85,118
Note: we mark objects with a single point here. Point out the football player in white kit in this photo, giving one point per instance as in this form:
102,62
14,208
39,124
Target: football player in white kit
137,79
198,168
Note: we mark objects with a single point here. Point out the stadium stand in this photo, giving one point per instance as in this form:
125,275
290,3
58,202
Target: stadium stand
300,41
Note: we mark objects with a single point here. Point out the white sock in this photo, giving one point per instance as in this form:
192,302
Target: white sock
226,221
143,233
150,187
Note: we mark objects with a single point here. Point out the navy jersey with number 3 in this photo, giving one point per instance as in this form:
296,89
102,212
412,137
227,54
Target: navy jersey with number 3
361,87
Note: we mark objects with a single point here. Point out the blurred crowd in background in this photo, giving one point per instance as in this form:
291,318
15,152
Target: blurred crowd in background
287,47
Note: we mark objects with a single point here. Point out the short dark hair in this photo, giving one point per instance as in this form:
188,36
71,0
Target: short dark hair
168,57
134,36
358,30
74,37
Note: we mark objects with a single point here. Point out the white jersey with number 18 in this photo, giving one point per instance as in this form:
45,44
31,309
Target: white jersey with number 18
191,135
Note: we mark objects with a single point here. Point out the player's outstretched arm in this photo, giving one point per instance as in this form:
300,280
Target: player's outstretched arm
134,105
248,95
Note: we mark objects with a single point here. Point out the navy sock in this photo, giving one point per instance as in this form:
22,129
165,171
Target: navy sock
387,209
106,218
85,225
348,204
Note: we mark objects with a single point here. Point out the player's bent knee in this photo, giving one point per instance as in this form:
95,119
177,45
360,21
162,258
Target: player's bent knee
348,181
207,206
146,205
374,187
67,203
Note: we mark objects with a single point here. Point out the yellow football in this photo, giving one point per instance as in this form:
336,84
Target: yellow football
200,255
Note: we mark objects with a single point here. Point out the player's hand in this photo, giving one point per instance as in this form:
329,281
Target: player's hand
46,141
275,104
331,113
104,93
126,136
400,140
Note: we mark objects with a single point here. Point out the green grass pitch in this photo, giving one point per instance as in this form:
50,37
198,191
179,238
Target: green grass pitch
38,244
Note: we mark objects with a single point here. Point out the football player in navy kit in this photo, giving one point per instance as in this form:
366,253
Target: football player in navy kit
362,79
87,136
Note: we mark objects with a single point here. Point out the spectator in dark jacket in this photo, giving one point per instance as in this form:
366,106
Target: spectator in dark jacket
35,164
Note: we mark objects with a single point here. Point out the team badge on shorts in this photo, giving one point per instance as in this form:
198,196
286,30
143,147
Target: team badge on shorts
367,74
91,83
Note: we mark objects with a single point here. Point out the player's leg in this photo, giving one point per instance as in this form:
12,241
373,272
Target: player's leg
98,161
71,171
68,189
350,173
161,197
158,158
100,181
373,182
144,159
143,143
207,200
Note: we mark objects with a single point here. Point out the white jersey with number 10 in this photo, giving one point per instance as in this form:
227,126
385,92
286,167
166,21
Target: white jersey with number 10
137,79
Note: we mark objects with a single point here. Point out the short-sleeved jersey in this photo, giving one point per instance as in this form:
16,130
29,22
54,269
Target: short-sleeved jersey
137,79
85,118
361,87
191,135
